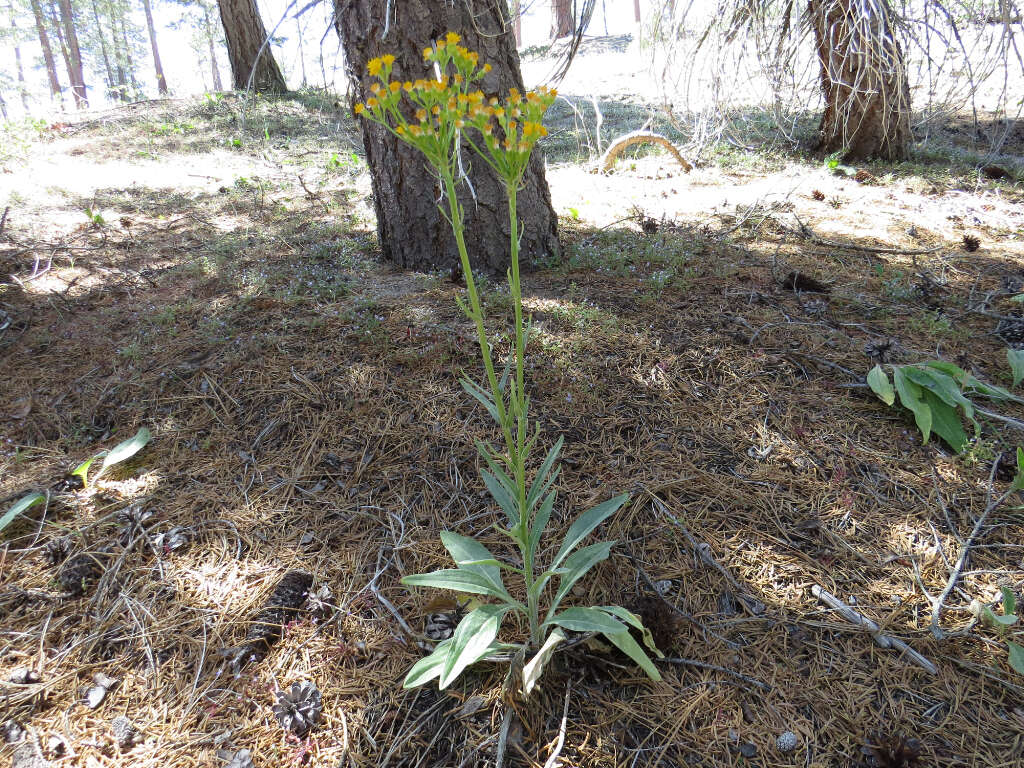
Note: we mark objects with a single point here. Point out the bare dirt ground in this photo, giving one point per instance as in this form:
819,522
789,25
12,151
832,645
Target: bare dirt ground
304,403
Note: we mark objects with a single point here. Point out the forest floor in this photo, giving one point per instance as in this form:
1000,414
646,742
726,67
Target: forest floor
225,291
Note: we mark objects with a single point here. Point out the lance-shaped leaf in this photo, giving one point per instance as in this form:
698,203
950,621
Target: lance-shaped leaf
501,495
471,641
945,421
533,669
574,568
586,523
634,621
1016,657
910,396
471,555
541,481
540,522
21,505
457,580
579,619
625,643
482,395
429,667
942,386
125,450
1015,357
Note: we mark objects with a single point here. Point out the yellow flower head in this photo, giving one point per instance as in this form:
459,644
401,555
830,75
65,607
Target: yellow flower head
388,59
407,86
372,103
415,130
375,88
428,52
374,66
421,114
452,38
395,86
360,108
400,130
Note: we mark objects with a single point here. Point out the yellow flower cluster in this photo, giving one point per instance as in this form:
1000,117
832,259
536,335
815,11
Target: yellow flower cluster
445,105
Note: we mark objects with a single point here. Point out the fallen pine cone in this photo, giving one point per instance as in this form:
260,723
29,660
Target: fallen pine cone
818,195
971,243
265,630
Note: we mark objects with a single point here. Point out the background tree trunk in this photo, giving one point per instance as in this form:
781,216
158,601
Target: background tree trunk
517,21
245,33
75,70
44,42
161,81
412,232
101,36
22,89
561,19
863,80
210,39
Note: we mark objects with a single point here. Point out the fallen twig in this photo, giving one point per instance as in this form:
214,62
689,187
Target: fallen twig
553,757
715,668
884,641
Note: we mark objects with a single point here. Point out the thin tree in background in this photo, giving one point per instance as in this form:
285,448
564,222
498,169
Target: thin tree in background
517,21
561,19
161,81
74,54
209,28
112,88
252,62
44,43
15,36
863,80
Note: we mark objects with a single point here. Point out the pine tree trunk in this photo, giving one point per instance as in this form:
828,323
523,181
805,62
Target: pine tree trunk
161,81
863,80
111,79
217,85
561,20
3,107
517,22
75,70
44,42
412,231
251,61
129,61
22,89
55,22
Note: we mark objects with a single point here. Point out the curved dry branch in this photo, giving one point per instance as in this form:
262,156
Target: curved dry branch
640,137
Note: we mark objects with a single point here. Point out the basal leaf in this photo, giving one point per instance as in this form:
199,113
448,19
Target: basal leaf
471,555
21,505
586,523
429,667
125,450
455,579
471,641
945,421
1016,657
881,385
1015,357
633,620
579,619
910,397
999,619
940,385
1009,600
625,643
535,666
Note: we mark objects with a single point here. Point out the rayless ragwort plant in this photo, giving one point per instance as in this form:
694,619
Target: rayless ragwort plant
447,110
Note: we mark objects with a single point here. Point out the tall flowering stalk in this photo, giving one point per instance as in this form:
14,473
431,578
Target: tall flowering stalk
435,116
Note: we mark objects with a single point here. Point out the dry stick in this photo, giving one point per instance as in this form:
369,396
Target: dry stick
506,722
806,232
884,641
965,551
550,762
716,668
3,218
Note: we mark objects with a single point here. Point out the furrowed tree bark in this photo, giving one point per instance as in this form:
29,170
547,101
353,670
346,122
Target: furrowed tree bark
561,19
75,70
412,231
863,80
245,34
161,81
44,43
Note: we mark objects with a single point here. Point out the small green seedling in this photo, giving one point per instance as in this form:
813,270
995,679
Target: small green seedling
1003,621
119,453
95,217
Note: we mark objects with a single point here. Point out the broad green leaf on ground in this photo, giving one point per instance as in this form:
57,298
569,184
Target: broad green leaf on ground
999,620
1016,657
1009,600
471,641
21,505
942,386
125,450
881,385
533,669
471,555
945,421
585,523
581,619
910,397
1015,357
429,667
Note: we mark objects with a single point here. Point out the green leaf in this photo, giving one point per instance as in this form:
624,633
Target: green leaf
942,386
633,620
540,522
881,386
1009,600
945,421
537,487
503,497
82,470
482,395
125,450
471,555
625,643
910,397
575,568
1016,657
535,666
429,667
1015,357
471,641
1018,480
21,505
999,620
587,522
953,371
455,579
581,619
